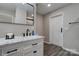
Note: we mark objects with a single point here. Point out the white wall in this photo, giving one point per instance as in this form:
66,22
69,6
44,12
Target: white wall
46,28
71,32
39,25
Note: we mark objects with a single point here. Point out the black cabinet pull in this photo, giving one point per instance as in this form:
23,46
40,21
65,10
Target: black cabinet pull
34,51
12,51
35,44
61,29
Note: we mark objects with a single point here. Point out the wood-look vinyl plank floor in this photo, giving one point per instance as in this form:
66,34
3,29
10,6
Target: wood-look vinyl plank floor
53,50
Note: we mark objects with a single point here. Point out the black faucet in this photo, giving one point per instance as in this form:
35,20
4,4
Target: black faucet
27,32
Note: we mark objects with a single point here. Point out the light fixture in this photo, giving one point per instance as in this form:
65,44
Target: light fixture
49,5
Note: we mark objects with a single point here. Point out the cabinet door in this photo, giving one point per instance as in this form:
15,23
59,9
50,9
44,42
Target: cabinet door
38,49
35,48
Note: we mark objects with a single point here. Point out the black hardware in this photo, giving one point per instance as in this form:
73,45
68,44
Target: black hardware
61,29
70,23
35,44
12,51
27,32
73,22
23,34
34,51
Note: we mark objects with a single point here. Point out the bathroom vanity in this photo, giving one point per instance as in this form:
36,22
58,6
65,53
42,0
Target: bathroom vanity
22,46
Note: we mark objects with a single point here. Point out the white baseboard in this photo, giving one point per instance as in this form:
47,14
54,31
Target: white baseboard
71,50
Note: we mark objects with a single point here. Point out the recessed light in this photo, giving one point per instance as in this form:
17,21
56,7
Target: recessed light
49,5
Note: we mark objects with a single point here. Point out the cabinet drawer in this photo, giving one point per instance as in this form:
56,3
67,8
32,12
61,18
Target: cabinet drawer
32,42
38,51
35,50
18,53
9,49
37,45
34,53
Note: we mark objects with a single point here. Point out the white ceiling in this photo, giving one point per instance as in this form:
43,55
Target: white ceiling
43,9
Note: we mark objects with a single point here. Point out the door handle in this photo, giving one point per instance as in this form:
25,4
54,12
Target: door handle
61,29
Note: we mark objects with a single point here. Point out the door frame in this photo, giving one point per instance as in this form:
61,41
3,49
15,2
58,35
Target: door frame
58,14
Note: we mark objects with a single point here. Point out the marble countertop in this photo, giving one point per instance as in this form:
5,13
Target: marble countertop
3,41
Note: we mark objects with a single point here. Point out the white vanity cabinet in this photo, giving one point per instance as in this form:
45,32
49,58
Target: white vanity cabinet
25,48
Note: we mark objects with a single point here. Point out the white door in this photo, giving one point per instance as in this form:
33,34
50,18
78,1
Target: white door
55,30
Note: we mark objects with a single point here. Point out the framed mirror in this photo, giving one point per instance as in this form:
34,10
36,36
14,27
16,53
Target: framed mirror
17,13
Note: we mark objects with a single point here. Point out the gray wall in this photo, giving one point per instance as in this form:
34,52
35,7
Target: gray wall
71,32
39,25
46,28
